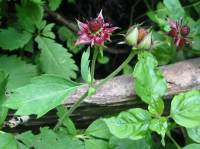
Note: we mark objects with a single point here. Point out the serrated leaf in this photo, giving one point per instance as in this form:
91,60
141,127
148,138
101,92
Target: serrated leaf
149,81
194,133
7,141
48,139
85,69
47,31
40,96
132,124
54,4
3,83
29,15
19,71
156,107
185,109
70,37
11,39
55,59
68,124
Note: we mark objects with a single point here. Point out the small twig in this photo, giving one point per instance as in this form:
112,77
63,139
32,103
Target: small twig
62,20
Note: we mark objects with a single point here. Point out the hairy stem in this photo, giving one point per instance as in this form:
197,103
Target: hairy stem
114,73
94,58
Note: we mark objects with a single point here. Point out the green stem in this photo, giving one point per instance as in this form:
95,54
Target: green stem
71,110
174,141
94,58
114,73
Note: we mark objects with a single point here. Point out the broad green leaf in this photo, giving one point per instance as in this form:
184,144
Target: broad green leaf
11,39
27,138
196,44
67,123
132,124
48,139
3,110
55,59
174,6
194,133
185,109
156,107
40,96
7,141
19,71
192,146
96,143
85,68
149,81
29,15
116,143
54,4
98,129
160,126
70,37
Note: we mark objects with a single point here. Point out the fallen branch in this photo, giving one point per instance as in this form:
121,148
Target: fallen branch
118,94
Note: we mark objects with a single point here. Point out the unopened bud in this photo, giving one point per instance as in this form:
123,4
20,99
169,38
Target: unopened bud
132,36
146,43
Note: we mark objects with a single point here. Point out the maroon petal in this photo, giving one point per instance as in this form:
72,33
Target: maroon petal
100,18
185,30
83,39
82,26
180,42
173,24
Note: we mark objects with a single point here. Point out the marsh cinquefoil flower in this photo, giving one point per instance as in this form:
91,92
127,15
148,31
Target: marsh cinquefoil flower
95,31
179,32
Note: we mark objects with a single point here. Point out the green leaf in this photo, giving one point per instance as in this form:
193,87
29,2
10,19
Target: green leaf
185,109
156,107
27,138
54,4
55,59
3,110
19,71
85,68
67,123
12,39
196,44
48,139
116,143
127,69
160,126
47,31
192,146
174,6
29,15
194,133
40,96
98,129
149,81
103,59
7,141
97,143
66,34
132,124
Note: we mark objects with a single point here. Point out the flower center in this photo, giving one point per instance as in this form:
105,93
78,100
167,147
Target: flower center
94,26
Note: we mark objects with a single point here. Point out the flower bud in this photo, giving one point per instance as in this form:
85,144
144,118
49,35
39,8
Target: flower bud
146,43
132,36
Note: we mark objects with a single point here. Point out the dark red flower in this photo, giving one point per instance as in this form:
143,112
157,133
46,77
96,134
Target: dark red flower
179,32
95,31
